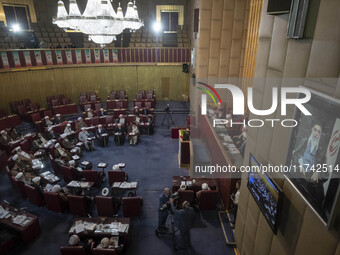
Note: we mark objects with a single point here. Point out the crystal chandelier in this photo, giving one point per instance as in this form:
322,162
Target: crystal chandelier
99,19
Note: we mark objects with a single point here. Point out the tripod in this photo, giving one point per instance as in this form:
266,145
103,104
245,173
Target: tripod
168,118
171,233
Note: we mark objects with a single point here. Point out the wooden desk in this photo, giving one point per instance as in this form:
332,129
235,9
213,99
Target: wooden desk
124,238
29,232
176,183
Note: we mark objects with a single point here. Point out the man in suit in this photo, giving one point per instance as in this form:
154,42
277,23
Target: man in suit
135,110
102,136
145,111
184,219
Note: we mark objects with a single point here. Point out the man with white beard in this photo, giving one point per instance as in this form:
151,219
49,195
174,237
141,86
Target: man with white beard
310,153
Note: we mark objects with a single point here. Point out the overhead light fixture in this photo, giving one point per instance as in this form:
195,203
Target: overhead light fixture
157,27
16,28
99,20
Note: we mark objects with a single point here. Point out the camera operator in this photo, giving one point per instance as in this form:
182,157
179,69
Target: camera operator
183,220
163,210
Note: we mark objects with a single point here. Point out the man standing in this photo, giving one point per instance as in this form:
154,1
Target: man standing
163,210
184,220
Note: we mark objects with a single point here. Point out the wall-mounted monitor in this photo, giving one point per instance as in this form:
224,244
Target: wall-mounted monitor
266,193
278,6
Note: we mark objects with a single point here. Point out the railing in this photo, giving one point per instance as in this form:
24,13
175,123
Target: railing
29,58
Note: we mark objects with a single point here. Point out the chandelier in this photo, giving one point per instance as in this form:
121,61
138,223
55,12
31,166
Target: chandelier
99,19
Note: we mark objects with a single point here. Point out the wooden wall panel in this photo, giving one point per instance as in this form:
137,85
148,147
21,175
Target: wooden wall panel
39,84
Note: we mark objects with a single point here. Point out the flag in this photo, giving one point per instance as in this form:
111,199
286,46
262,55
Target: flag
78,57
332,151
115,55
69,57
27,56
106,56
49,59
97,55
88,56
4,59
38,59
59,57
16,59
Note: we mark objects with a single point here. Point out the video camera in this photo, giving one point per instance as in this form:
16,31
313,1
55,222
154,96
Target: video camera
167,108
175,197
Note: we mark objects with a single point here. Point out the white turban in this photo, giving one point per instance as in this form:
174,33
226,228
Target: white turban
72,162
17,148
80,118
57,145
115,167
15,157
19,176
205,186
36,180
68,125
58,115
74,240
56,188
62,136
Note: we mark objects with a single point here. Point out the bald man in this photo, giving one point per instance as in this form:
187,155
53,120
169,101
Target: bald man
163,209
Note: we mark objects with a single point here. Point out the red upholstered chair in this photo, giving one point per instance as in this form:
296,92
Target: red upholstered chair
186,195
139,96
34,196
148,105
67,101
25,145
208,199
54,202
105,207
55,102
97,106
88,121
109,119
116,176
87,106
138,104
20,186
92,176
132,206
95,121
55,166
98,251
102,120
93,98
119,105
67,173
22,110
149,96
72,250
78,205
48,113
36,117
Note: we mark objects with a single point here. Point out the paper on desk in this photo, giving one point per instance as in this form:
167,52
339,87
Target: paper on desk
79,228
116,184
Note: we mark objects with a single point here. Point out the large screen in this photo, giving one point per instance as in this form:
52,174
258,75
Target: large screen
278,6
266,193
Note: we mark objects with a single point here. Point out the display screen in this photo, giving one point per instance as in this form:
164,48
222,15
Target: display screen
278,6
266,193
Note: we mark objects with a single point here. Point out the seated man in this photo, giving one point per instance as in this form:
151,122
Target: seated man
135,110
138,120
119,134
84,138
62,193
133,135
151,125
60,152
77,171
68,129
101,112
68,145
21,177
24,156
14,134
102,136
36,183
121,120
87,243
204,187
89,113
47,122
5,138
50,134
39,142
20,166
58,119
80,124
145,111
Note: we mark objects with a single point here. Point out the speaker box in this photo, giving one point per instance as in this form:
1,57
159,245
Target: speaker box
185,68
